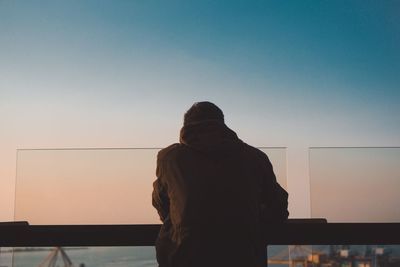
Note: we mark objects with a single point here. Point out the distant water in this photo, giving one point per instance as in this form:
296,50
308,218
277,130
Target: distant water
91,257
95,257
129,256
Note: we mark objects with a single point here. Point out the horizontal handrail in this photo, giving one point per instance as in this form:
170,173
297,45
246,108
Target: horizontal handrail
294,232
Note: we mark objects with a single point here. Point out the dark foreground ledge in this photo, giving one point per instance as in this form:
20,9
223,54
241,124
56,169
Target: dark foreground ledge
294,232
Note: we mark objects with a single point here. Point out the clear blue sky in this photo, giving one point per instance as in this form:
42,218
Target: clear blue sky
122,73
312,63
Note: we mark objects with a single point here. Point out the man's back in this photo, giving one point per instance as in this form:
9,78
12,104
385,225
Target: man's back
213,194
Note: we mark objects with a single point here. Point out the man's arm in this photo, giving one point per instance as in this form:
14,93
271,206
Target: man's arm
274,207
160,198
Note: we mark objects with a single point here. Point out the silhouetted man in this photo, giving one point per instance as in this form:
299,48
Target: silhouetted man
214,194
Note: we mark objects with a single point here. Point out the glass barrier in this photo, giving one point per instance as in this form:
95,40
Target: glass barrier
6,256
278,256
355,184
334,256
277,156
80,256
94,186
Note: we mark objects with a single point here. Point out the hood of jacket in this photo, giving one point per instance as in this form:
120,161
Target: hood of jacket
209,136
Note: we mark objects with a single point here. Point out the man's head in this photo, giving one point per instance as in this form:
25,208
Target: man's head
203,111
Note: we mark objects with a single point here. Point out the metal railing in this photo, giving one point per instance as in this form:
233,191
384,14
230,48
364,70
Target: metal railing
293,232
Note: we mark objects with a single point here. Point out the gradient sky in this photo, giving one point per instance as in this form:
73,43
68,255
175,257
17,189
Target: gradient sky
122,73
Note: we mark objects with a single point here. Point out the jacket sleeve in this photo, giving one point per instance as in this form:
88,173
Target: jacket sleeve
274,206
160,198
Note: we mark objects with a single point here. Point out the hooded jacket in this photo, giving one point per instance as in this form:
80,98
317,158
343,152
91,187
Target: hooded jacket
214,195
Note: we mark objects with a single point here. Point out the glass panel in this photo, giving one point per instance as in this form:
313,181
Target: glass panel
89,186
355,184
334,255
277,156
94,186
6,257
278,256
82,256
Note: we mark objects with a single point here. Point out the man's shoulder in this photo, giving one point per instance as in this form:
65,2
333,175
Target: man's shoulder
256,152
170,151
